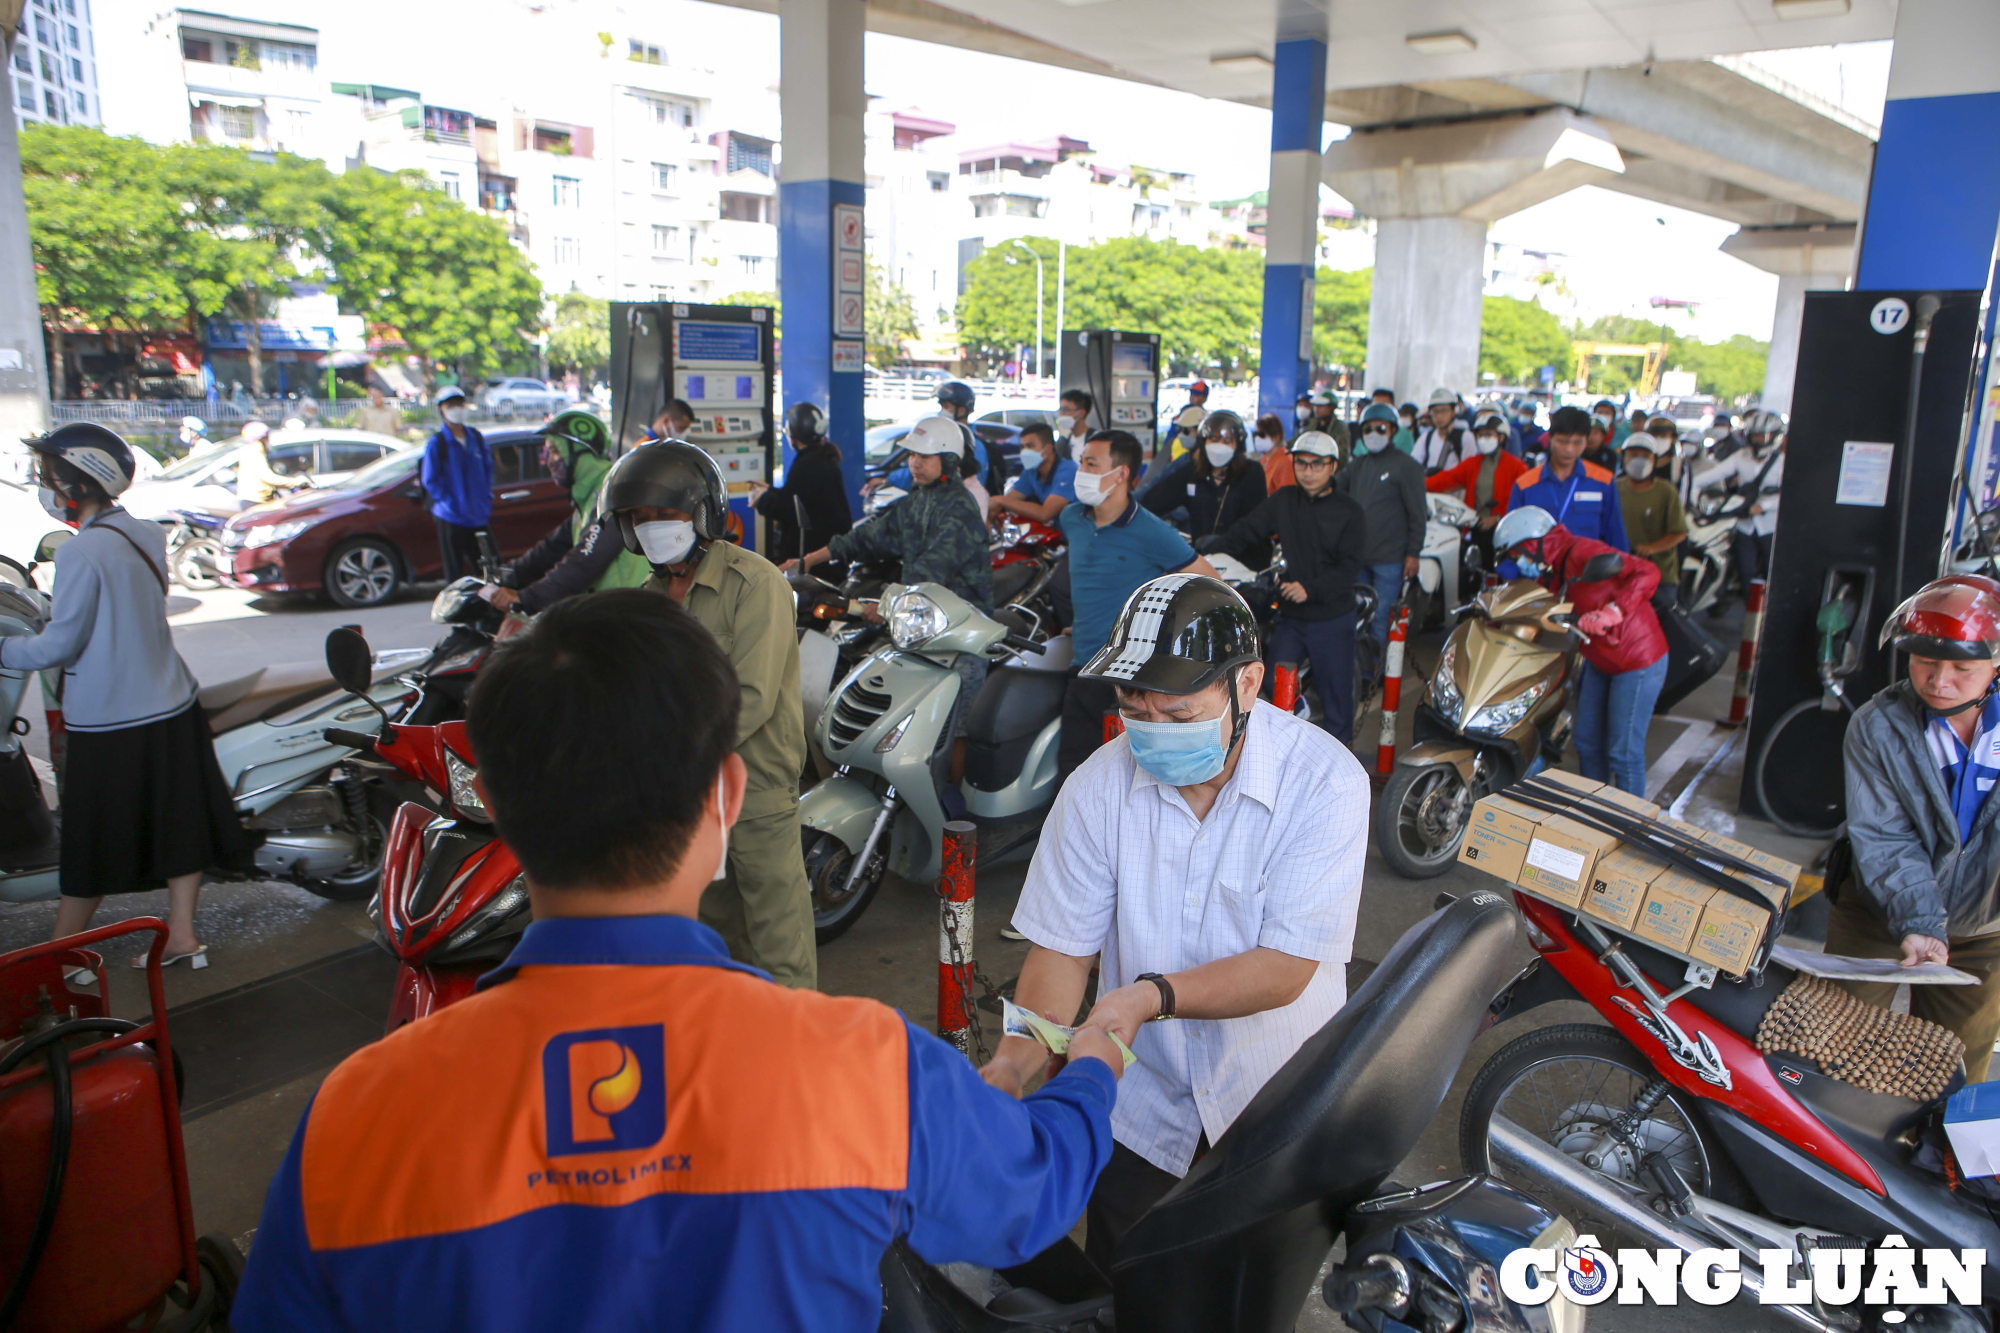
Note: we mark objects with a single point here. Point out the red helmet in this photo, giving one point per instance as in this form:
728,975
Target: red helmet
1956,617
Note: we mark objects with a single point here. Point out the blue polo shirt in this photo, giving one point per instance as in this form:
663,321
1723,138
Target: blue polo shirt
1586,504
1030,486
1107,565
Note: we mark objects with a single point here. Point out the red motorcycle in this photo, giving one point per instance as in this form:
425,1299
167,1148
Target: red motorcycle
453,901
1671,1127
1026,558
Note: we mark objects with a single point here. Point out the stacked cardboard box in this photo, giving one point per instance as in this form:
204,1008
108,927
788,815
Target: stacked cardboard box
1632,890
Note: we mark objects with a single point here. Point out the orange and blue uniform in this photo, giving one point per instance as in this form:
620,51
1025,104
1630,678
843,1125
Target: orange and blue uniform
625,1129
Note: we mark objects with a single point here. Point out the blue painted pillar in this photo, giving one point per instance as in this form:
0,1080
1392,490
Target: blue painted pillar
1934,199
821,230
1291,223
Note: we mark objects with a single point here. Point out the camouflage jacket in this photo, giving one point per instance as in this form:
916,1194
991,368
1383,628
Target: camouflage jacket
936,532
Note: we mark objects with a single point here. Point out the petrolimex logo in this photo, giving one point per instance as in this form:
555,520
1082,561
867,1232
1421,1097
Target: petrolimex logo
605,1090
1892,1274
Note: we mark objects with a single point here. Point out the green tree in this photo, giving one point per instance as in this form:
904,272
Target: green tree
103,230
1517,338
1206,305
767,299
1731,370
887,316
1340,317
580,336
454,288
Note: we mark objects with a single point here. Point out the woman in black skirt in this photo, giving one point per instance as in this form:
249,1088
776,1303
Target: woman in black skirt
143,799
814,496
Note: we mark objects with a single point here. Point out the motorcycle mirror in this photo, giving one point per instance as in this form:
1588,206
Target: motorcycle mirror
1605,565
45,550
351,665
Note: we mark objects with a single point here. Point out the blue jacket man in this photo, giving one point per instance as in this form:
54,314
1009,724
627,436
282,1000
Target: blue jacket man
1582,496
457,475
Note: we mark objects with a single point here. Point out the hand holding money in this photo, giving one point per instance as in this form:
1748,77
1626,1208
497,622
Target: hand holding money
1018,1022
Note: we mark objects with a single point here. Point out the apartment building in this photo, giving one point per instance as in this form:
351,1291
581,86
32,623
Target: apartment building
914,210
252,84
54,66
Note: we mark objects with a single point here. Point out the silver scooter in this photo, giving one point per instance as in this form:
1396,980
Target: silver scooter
884,727
301,797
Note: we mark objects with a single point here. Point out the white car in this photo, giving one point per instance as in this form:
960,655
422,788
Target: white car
207,481
517,397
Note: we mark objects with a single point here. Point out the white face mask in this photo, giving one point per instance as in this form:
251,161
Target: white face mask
1301,412
1638,469
1487,443
1375,440
1260,444
1218,454
721,862
1607,420
455,415
1031,460
1409,422
1093,488
667,541
52,503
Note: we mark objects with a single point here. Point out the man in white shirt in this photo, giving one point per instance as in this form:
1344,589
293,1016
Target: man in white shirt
1210,860
1757,474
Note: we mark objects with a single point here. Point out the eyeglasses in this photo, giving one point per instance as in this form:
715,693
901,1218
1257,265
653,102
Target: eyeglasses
1311,461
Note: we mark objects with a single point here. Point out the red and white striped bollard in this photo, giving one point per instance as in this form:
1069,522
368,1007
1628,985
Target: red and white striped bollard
1746,654
1392,693
954,887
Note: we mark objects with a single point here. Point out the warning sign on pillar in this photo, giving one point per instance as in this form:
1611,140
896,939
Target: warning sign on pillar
849,274
847,231
846,357
847,316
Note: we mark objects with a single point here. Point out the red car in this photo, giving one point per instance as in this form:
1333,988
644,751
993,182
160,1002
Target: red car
361,540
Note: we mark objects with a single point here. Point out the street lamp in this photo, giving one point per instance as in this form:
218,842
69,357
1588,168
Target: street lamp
1041,364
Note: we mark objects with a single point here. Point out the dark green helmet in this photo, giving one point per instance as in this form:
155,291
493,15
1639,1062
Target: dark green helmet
581,429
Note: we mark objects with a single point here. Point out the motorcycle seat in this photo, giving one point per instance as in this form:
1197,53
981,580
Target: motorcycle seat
1238,1243
231,703
1014,705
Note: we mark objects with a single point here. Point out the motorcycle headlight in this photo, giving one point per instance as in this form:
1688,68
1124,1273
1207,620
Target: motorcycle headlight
914,619
504,904
269,534
1505,715
464,795
1444,689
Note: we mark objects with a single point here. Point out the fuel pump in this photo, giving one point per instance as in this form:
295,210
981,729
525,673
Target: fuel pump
1121,373
718,359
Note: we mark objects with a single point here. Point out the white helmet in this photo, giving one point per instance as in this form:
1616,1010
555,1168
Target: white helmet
1524,524
1443,398
195,424
933,436
1316,442
255,431
1641,439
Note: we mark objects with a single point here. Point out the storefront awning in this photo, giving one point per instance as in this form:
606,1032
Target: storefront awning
224,99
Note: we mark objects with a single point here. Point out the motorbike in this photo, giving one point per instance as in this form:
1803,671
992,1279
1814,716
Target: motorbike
1260,590
452,901
1499,701
1671,1127
884,728
1705,556
195,557
317,815
1235,1247
1450,565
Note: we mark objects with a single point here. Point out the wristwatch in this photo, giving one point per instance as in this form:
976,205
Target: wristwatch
1166,994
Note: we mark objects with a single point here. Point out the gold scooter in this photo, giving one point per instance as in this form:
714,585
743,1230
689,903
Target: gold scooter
1501,696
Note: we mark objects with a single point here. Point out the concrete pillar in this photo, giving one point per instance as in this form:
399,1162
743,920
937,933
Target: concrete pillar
1432,191
1934,199
821,229
1423,314
24,375
1806,258
1291,234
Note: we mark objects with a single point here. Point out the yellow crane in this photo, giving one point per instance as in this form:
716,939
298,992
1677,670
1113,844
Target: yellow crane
1649,374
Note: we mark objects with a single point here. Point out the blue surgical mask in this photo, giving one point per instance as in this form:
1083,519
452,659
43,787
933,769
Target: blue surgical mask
1530,569
1180,754
1031,460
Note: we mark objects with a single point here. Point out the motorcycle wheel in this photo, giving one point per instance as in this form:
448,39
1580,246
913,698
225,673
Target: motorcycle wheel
1420,819
359,880
195,563
835,907
1566,1083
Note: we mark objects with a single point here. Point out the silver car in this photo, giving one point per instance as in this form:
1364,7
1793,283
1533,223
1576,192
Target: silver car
519,397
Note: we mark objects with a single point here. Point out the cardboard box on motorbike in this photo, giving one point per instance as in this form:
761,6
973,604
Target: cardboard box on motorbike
1618,886
1560,860
1497,835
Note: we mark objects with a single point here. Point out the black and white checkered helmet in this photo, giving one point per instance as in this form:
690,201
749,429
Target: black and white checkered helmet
99,454
1176,635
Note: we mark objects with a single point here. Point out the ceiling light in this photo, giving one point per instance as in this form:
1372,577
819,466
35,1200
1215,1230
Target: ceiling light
1811,9
1247,62
1449,43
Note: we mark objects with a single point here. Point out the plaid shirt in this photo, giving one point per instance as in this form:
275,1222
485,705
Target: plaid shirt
1125,868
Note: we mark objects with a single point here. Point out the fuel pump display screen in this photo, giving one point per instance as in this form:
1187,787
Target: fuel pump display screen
1132,381
700,343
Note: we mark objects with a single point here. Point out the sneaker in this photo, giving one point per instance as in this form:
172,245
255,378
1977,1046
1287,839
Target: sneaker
1007,932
